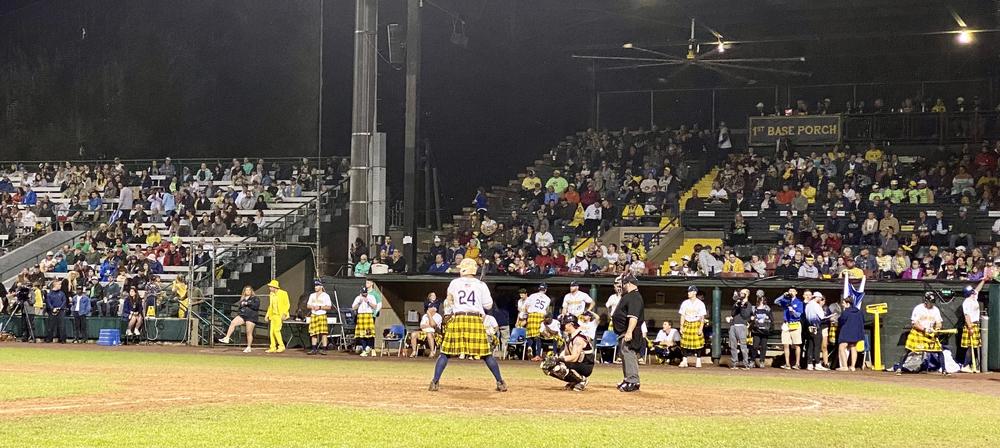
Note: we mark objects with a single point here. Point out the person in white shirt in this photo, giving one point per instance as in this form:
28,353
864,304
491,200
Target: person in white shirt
543,239
537,305
550,334
319,303
588,324
430,327
666,346
592,218
693,314
576,302
717,193
522,308
470,298
925,321
578,264
366,305
492,328
971,337
613,299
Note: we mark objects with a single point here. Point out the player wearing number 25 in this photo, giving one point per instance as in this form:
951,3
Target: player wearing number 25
465,334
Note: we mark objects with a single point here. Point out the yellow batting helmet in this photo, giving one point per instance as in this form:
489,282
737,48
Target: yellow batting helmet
468,266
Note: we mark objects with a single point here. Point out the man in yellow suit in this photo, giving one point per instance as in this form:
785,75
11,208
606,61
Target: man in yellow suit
277,311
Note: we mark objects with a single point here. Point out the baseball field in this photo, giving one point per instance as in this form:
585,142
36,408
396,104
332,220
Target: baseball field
80,396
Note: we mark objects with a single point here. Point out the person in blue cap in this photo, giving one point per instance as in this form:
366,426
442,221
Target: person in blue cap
693,313
537,306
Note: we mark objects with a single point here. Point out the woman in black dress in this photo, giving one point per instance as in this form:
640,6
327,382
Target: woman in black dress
248,312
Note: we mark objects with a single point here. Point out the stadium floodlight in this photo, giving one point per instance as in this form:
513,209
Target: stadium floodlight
964,36
627,45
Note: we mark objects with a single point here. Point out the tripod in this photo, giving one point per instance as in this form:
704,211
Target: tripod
27,320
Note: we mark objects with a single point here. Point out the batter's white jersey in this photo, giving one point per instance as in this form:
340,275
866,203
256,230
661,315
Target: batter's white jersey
576,303
538,303
469,295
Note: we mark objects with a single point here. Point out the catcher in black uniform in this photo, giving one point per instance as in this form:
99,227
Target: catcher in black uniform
576,362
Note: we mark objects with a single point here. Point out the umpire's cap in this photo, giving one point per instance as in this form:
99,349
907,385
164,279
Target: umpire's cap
570,319
627,277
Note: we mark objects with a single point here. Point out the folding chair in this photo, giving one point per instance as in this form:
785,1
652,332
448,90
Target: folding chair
517,338
397,335
608,340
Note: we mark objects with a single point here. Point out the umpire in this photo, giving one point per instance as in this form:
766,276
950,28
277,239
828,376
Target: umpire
626,321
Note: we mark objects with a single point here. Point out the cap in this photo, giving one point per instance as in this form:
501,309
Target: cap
875,186
922,181
49,254
574,283
686,258
627,277
961,248
692,288
542,286
760,104
817,295
364,290
273,284
317,282
968,291
579,254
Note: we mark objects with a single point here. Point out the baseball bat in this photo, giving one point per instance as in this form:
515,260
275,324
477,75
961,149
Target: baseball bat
975,365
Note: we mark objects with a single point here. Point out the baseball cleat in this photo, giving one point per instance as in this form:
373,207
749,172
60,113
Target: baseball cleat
246,350
223,340
433,387
501,386
629,387
579,387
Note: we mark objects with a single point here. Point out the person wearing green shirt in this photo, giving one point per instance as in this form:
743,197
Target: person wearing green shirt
876,194
894,194
557,182
921,194
374,291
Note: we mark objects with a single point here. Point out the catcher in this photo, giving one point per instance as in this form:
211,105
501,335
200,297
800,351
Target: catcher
576,362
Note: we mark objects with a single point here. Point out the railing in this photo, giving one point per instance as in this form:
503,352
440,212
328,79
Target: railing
6,275
927,128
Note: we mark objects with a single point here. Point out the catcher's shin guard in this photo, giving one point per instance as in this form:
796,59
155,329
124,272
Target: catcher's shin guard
573,377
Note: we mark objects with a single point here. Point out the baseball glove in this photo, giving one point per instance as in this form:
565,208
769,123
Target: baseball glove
549,363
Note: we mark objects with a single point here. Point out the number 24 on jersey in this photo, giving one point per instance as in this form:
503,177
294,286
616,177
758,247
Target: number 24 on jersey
466,297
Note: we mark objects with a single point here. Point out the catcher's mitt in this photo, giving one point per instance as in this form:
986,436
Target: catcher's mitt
549,363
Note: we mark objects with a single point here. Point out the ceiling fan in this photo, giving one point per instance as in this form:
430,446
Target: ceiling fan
696,58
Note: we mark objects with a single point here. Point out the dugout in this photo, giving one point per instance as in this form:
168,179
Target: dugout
663,295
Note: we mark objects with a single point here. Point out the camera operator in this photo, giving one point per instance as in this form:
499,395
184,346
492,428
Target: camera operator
741,315
26,304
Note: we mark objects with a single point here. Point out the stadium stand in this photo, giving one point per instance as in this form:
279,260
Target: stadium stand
165,229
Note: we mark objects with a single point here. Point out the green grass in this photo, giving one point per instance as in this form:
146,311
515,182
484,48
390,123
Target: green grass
902,415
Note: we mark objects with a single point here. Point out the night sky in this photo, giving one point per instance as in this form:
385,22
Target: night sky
239,77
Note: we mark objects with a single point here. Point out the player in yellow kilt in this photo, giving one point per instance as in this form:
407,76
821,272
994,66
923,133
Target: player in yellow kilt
319,303
537,305
925,321
364,329
465,334
972,338
693,314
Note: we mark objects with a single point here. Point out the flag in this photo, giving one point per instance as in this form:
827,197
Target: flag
856,295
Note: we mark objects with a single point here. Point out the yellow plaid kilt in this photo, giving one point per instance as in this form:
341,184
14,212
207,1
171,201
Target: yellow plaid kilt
973,340
494,341
534,325
465,336
364,326
919,341
692,337
318,325
422,336
832,334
